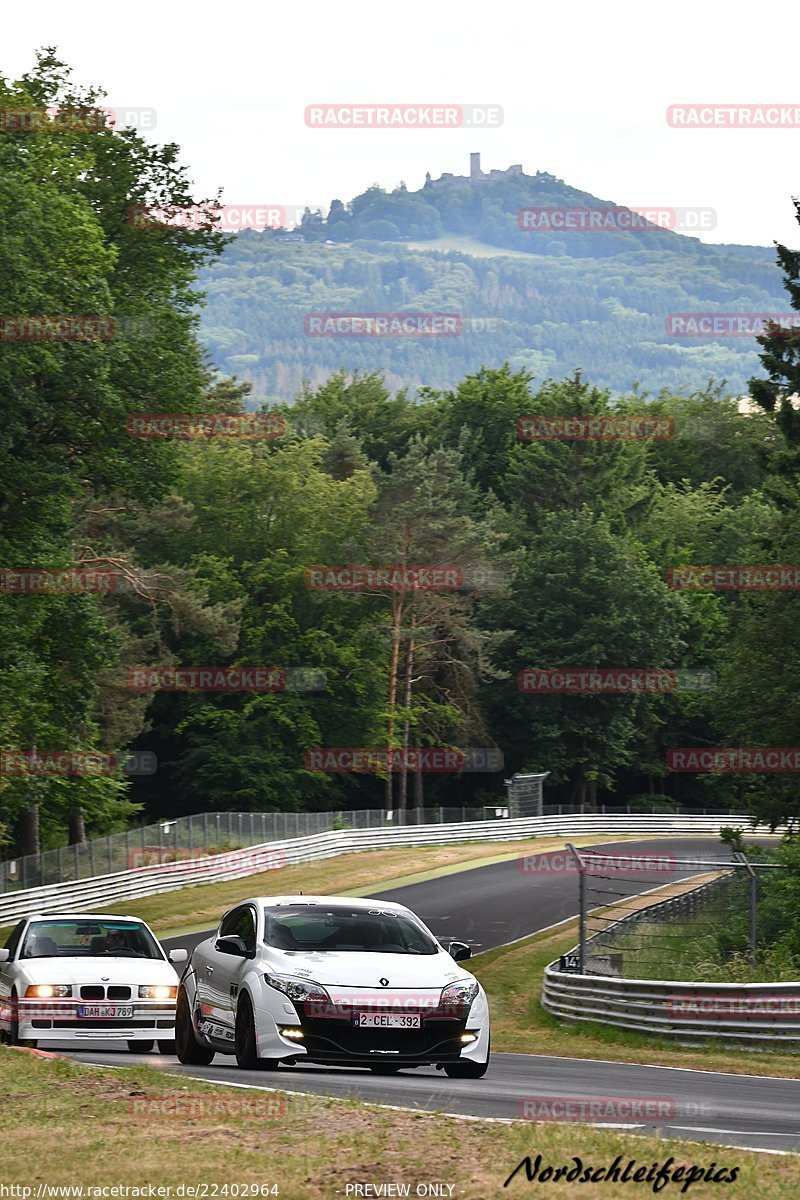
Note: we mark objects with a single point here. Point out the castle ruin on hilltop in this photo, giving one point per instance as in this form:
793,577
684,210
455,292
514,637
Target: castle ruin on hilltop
476,175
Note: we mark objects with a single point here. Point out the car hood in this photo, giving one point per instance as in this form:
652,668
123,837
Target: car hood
95,970
366,970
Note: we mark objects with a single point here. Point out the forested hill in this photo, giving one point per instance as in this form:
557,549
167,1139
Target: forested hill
544,300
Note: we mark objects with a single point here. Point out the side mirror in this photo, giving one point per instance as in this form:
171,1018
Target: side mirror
4,955
232,945
459,951
178,955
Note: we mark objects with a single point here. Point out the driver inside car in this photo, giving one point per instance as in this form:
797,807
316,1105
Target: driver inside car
369,934
115,941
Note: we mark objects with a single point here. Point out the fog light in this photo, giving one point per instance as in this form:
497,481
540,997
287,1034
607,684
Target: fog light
291,1032
469,1037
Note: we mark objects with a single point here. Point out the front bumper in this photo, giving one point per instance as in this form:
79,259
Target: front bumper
58,1021
336,1040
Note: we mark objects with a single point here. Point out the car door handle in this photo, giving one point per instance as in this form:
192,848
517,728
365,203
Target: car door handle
209,970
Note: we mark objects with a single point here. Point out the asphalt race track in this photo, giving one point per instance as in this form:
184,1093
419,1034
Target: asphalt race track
490,906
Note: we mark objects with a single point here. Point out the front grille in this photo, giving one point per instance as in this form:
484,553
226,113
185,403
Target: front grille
332,1039
94,991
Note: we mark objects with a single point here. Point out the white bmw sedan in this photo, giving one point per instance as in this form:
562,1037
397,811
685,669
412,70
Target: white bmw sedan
75,977
330,979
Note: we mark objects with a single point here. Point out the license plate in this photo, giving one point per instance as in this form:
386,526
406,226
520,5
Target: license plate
387,1020
107,1011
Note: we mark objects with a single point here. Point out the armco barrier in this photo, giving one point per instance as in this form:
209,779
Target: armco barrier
85,894
749,1012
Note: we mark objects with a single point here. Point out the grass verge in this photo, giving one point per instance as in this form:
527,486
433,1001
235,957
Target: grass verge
106,1128
200,906
512,976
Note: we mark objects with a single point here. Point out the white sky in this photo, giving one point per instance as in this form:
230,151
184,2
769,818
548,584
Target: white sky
584,87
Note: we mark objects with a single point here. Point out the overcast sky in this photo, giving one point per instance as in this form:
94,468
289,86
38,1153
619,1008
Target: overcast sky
584,89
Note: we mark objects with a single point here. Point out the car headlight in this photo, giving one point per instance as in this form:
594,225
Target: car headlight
301,990
157,991
47,991
457,998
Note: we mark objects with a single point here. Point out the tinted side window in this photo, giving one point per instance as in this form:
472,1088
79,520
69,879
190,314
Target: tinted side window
13,941
228,925
246,928
240,923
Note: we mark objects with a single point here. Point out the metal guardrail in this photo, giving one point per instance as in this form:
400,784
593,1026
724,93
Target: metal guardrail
750,1012
208,832
82,895
214,832
747,1012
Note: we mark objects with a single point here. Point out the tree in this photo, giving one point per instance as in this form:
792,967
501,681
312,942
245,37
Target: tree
582,596
64,198
430,514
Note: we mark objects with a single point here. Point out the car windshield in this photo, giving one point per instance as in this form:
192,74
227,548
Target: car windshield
89,939
339,928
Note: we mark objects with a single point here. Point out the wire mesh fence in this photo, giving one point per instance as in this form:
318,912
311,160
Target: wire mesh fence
214,832
658,916
204,833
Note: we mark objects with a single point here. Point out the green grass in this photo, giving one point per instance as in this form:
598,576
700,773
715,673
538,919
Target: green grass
68,1125
200,906
512,977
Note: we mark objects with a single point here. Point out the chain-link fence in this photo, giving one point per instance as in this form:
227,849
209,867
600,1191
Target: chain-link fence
213,832
658,916
206,833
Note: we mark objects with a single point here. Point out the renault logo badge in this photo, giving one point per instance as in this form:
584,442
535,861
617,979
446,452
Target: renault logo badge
383,982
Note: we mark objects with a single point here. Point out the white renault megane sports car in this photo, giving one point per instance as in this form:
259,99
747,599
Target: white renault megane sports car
330,979
73,977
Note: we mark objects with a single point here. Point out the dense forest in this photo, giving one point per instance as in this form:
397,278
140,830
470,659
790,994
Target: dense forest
561,547
544,302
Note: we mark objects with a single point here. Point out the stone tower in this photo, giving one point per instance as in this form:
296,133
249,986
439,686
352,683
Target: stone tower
475,171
